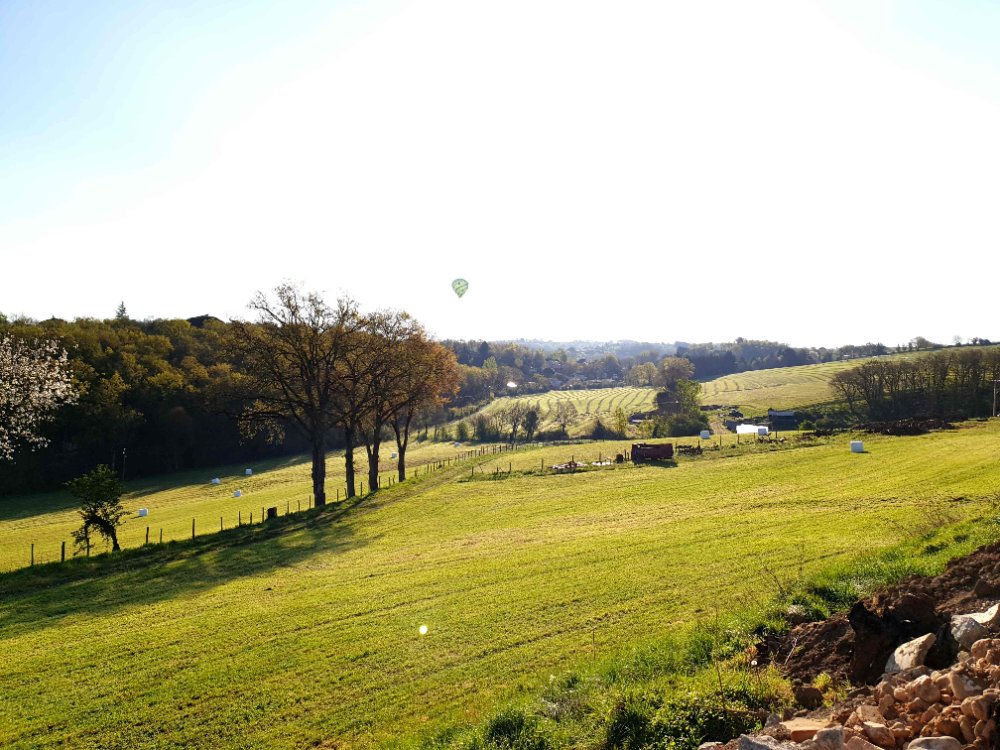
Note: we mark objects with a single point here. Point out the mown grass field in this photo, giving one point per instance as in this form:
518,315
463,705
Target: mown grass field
590,404
756,391
47,520
308,637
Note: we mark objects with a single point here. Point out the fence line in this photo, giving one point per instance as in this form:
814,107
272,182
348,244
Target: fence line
428,467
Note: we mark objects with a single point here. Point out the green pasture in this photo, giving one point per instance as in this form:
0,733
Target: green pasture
305,633
47,520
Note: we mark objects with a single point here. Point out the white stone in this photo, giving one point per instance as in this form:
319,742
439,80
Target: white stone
966,630
935,743
911,654
989,619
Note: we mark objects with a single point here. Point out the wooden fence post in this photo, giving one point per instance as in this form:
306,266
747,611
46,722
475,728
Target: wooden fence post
221,527
147,535
161,536
32,553
62,557
192,528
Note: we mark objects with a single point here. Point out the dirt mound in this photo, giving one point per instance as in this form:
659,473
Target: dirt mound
856,646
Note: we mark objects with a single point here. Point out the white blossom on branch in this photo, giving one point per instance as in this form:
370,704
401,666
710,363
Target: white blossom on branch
35,380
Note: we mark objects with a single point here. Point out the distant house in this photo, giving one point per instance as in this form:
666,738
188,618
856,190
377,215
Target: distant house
782,420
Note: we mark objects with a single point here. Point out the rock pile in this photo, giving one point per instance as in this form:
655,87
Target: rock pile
913,707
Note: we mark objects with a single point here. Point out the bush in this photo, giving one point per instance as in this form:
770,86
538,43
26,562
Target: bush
512,729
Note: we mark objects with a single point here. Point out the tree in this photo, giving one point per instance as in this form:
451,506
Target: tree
564,413
388,375
290,368
515,416
101,509
530,423
432,377
35,380
671,370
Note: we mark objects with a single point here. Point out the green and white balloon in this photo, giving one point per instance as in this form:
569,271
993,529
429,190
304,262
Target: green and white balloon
461,286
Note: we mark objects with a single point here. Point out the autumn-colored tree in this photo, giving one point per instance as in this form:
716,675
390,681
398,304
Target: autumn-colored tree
35,380
432,377
391,333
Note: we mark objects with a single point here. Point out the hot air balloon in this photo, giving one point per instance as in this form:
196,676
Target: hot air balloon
461,286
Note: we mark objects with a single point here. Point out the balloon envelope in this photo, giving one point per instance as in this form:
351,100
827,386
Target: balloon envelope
461,286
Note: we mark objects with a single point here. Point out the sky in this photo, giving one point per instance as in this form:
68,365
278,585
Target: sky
819,173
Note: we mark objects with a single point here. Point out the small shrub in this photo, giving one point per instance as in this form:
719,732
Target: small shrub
512,729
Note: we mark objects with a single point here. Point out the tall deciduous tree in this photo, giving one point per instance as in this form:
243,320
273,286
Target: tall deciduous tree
291,368
35,380
432,377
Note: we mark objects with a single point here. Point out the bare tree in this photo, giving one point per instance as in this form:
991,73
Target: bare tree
35,380
564,412
290,364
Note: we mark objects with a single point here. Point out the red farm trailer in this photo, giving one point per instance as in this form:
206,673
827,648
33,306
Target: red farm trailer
647,452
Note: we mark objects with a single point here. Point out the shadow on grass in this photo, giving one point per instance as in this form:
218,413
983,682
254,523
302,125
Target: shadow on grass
32,599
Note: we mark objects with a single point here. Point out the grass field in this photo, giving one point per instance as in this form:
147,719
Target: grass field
308,638
47,520
600,402
756,391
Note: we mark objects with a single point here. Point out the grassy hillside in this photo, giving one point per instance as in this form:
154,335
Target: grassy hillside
781,388
309,637
47,520
600,402
784,387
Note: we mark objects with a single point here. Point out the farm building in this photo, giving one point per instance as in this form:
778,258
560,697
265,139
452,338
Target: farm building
782,420
647,452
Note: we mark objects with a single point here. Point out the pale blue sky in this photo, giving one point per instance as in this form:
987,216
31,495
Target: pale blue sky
594,169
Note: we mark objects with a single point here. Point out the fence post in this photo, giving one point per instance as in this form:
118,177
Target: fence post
239,518
32,553
161,536
147,535
63,556
192,528
251,518
220,523
288,506
298,503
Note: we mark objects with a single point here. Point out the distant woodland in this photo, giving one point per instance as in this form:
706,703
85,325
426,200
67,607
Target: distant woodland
156,395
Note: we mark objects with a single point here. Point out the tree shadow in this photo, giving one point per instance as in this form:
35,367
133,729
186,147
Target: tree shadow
33,599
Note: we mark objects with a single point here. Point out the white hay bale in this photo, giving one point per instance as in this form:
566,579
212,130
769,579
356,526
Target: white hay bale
238,493
857,446
143,512
216,480
706,435
249,472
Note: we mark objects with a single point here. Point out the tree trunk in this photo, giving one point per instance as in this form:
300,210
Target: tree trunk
349,459
372,451
402,439
319,472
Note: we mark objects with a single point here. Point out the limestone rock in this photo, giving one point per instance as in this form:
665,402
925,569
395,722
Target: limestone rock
989,619
867,713
879,734
935,743
963,686
966,630
800,730
763,742
911,654
831,738
859,743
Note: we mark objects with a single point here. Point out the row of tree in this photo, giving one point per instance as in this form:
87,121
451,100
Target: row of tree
951,384
167,394
313,367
